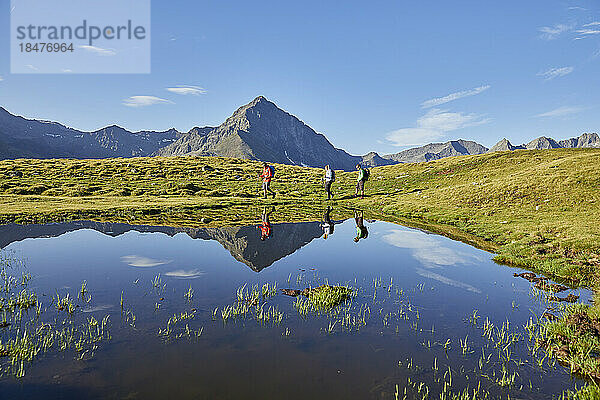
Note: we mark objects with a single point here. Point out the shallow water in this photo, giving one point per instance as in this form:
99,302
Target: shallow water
419,289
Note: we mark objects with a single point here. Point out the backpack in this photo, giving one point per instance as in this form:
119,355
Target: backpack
366,174
364,233
331,176
272,171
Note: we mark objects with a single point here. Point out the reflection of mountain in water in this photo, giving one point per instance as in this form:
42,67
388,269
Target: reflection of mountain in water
242,242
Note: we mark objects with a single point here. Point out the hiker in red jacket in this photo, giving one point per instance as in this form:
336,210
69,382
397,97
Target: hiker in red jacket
267,174
265,226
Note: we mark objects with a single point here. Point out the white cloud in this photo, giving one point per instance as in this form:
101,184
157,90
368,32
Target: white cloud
443,120
586,32
577,8
596,23
561,112
143,101
552,32
185,90
454,96
432,126
98,50
413,136
555,72
143,262
1,78
185,274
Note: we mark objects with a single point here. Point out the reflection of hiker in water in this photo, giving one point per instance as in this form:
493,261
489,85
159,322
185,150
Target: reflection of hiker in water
268,173
265,227
328,180
327,224
361,229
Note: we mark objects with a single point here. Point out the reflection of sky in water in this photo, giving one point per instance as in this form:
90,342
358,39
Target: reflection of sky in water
454,279
432,253
143,262
428,248
447,281
185,274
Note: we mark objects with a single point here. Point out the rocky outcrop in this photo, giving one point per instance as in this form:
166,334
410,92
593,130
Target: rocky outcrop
542,143
373,159
586,140
504,145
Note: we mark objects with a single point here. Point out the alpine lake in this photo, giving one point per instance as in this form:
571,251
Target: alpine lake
116,311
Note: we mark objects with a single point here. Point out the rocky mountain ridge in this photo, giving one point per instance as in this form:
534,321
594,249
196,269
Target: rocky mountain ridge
585,140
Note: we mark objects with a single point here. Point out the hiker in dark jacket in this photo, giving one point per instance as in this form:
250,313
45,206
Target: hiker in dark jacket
363,175
267,175
361,229
328,180
327,223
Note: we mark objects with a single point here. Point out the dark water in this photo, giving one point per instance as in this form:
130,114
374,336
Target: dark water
437,284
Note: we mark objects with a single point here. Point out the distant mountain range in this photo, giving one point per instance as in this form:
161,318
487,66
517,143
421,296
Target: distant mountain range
435,151
258,130
586,140
30,138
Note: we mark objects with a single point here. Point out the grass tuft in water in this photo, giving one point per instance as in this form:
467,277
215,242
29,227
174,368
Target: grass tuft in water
326,297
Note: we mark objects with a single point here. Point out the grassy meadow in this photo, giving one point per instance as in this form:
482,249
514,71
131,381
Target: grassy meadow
538,210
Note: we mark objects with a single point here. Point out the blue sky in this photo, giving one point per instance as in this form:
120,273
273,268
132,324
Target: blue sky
374,75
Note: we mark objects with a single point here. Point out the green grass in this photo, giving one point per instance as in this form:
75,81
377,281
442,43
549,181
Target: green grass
28,331
582,323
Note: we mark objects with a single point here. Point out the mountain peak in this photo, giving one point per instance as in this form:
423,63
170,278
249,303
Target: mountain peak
260,100
256,106
542,143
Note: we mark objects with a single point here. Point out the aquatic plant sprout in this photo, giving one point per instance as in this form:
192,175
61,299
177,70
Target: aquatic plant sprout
26,336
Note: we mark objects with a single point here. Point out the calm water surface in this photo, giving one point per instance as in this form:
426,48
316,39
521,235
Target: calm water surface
420,290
